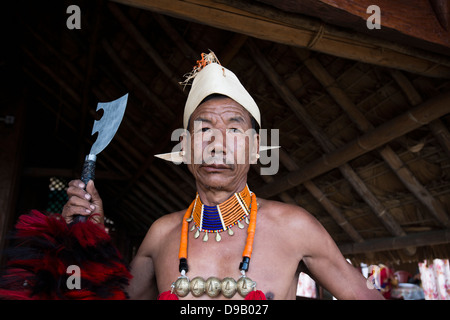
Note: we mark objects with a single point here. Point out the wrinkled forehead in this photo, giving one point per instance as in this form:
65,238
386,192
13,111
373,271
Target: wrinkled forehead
221,109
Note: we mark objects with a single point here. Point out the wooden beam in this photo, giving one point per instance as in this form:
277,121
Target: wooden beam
403,21
442,10
124,143
415,118
190,54
63,84
442,135
100,94
312,188
405,175
395,243
436,126
145,45
358,184
232,49
153,98
300,33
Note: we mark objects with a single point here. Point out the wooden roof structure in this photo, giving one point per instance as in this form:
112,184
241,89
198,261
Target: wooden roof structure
363,114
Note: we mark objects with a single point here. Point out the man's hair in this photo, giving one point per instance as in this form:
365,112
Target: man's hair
255,124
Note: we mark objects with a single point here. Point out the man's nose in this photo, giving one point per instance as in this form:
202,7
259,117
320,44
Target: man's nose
217,143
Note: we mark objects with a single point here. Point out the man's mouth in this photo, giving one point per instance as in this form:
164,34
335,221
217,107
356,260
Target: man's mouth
215,166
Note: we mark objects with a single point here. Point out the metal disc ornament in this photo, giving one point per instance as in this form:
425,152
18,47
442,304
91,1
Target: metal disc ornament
197,286
213,287
182,286
229,287
245,286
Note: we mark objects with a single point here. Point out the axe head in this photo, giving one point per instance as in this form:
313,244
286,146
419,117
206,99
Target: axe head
109,123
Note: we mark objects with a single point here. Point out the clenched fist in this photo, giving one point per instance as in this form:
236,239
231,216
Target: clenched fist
83,202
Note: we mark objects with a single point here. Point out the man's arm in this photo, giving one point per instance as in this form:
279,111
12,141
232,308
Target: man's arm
329,267
143,284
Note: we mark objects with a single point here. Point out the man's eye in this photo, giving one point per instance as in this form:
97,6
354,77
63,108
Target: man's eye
234,130
205,129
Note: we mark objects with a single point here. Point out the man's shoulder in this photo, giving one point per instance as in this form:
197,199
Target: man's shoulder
287,214
168,221
160,229
279,209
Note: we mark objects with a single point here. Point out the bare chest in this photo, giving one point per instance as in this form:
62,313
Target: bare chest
271,267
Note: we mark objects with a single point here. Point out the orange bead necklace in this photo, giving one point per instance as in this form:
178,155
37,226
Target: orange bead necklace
183,286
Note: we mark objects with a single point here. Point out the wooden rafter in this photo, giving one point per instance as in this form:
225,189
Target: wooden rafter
437,127
145,45
389,156
332,210
77,100
442,11
417,117
380,211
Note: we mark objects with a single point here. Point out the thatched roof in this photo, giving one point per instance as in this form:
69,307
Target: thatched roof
364,120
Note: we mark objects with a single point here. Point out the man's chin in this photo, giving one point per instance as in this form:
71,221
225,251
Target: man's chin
216,179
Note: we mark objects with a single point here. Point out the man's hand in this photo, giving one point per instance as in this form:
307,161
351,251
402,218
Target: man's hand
86,203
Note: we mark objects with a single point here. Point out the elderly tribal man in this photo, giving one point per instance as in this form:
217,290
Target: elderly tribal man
229,243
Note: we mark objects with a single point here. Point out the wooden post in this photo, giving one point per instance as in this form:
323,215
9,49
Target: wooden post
11,136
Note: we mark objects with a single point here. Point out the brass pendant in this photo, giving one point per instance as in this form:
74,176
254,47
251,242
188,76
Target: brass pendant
245,286
229,287
182,286
197,286
213,287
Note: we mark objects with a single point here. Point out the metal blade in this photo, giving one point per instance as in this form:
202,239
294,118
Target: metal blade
109,123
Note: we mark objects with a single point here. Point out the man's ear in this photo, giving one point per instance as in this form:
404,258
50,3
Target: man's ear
254,149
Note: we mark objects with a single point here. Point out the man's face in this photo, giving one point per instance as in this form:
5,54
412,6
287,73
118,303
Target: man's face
221,143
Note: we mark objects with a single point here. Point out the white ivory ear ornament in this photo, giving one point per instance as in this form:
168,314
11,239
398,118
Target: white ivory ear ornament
177,157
